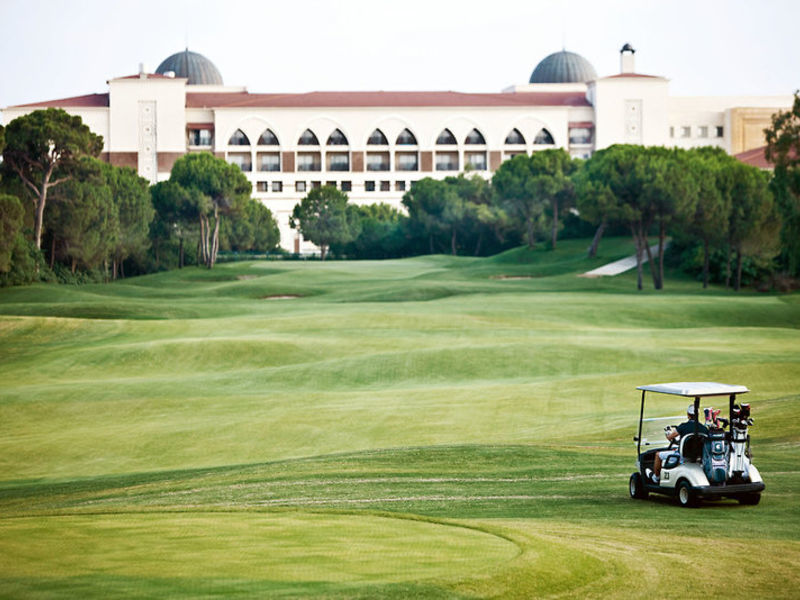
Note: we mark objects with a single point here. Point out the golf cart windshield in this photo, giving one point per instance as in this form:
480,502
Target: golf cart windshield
653,431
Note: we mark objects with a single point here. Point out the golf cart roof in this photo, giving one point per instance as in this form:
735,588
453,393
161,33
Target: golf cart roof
694,389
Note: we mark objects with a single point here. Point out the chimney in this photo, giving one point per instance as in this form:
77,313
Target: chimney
626,61
142,71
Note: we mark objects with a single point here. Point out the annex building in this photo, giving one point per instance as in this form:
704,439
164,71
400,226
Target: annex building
374,145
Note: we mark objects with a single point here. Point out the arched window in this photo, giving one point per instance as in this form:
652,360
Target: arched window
337,138
406,138
376,138
543,137
446,138
308,139
238,139
268,139
475,137
515,137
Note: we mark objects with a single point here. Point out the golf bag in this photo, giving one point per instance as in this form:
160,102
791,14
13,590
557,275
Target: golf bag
740,438
715,457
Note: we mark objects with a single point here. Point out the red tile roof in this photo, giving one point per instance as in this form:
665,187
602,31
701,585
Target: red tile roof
378,99
754,157
148,76
757,157
90,100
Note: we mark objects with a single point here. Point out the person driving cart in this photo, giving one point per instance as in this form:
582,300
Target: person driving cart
674,434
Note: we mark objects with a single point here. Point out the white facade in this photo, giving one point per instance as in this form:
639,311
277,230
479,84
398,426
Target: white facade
149,120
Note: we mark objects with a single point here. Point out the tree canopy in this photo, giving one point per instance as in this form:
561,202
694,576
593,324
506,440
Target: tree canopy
216,188
324,218
43,149
783,151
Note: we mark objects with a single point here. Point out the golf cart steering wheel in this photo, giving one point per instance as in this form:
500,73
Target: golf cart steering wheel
674,441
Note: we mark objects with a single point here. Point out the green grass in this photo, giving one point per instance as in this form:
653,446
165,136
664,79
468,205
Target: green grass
436,427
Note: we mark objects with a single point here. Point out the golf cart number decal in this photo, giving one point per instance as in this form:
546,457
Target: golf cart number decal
666,475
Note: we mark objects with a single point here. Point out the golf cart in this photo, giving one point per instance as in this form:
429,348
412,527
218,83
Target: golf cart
701,465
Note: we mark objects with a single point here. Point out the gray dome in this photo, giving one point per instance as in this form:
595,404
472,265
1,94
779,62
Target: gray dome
563,67
195,67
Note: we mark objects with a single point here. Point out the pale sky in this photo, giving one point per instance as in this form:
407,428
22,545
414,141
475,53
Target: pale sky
55,49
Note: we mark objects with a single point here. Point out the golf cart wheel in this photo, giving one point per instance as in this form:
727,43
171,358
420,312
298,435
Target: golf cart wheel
749,499
636,487
686,495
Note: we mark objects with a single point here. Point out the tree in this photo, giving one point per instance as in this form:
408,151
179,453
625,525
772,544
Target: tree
323,218
753,223
131,195
43,149
528,184
381,233
597,204
430,205
11,219
621,171
83,219
667,194
215,188
707,216
783,151
254,229
484,222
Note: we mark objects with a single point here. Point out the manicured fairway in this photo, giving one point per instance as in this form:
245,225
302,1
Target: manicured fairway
435,427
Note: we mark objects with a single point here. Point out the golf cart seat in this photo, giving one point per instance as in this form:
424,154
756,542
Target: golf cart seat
692,447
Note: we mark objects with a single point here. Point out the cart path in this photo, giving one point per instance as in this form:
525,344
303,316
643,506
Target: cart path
620,266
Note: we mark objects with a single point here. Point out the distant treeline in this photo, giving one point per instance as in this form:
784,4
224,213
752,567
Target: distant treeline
66,216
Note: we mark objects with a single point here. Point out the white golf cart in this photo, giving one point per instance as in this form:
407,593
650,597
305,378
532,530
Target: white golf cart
702,465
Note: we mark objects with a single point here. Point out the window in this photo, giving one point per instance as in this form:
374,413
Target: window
308,139
399,186
475,160
686,131
269,161
475,137
377,161
262,186
347,186
277,186
299,186
376,138
580,135
515,137
238,139
386,186
369,186
509,155
338,161
672,131
406,161
268,139
543,137
309,161
406,138
447,161
702,131
337,138
241,160
330,184
315,185
200,137
446,138
720,131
